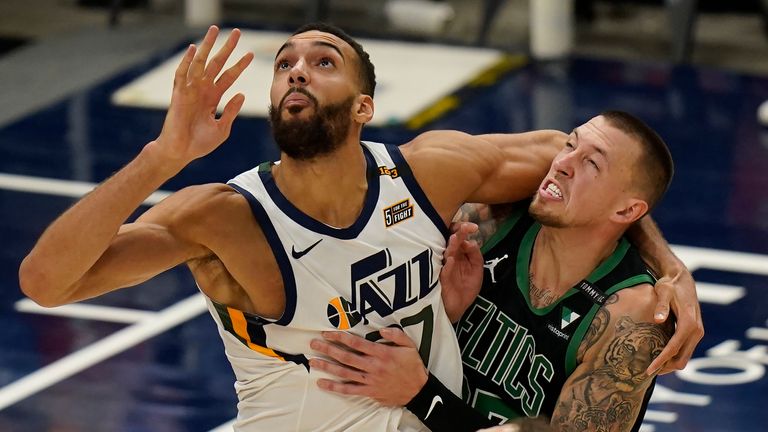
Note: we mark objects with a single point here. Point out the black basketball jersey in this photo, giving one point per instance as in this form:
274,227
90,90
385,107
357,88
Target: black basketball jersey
517,357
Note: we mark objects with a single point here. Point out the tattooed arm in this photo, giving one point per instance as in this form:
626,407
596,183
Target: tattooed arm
462,274
607,389
486,217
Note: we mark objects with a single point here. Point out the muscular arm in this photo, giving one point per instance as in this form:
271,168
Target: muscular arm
83,242
676,289
607,389
454,167
87,251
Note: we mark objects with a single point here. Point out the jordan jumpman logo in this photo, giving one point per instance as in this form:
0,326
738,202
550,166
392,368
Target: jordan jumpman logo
491,266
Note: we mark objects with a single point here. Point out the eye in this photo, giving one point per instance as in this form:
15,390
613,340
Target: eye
593,164
569,145
282,65
325,62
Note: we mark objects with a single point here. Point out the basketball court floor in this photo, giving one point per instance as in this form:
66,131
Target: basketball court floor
149,358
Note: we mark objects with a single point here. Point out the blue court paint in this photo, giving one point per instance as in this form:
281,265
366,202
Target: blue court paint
180,380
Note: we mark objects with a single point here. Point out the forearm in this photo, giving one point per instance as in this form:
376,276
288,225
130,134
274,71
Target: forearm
74,242
647,237
439,409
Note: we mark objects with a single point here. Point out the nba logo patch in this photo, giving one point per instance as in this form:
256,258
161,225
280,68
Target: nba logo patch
341,314
398,212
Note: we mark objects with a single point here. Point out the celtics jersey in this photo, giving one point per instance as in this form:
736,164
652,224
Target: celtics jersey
381,271
517,357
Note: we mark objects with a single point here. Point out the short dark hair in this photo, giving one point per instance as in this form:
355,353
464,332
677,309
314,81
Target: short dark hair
366,71
655,165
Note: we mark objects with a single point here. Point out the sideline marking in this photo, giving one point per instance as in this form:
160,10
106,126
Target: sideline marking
719,293
67,188
226,427
99,351
86,311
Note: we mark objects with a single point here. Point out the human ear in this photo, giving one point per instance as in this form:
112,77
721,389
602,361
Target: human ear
363,109
632,210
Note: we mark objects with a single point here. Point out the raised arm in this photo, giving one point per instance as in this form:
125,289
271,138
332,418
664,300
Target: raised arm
676,288
607,389
84,242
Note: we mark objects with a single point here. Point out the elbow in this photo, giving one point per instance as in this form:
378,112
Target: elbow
34,284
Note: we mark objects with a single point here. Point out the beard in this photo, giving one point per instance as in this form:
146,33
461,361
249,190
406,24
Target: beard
307,139
543,217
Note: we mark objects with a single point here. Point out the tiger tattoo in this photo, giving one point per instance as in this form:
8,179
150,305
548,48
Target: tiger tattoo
608,397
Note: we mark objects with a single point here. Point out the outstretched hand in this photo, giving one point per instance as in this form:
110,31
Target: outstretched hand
462,274
191,129
391,374
678,291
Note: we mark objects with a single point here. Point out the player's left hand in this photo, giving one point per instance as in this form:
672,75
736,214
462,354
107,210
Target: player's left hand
678,290
390,374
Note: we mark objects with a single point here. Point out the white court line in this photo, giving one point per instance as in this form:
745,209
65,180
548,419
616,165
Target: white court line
226,427
99,351
67,188
660,416
719,293
716,259
86,311
758,333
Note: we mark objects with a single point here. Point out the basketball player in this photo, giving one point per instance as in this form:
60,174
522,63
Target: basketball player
339,234
563,326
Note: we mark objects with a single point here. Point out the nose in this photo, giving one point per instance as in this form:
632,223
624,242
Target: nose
563,164
298,75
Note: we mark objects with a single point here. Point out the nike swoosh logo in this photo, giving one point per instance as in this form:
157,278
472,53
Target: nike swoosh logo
435,401
298,254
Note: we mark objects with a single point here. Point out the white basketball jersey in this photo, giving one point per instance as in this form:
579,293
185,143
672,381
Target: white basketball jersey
381,271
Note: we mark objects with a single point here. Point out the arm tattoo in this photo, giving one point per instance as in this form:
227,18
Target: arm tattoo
486,217
609,395
597,328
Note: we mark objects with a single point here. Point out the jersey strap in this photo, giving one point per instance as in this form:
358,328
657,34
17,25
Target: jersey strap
286,271
403,171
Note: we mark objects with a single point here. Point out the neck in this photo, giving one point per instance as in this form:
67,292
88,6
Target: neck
562,257
330,188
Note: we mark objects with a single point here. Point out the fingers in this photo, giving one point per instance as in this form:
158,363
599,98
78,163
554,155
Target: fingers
356,343
231,75
181,71
231,110
472,250
198,63
681,346
339,354
453,247
669,351
398,336
342,388
220,59
345,373
664,294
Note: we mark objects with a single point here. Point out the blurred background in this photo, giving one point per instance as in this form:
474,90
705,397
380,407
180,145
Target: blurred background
82,89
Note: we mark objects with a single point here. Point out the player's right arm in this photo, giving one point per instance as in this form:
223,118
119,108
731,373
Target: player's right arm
89,240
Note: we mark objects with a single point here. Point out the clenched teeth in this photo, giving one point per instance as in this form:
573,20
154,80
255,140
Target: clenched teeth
554,190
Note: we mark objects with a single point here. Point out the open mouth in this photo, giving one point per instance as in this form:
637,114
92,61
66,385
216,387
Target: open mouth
552,190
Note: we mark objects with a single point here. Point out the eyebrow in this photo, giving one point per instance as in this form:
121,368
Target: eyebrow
316,43
597,149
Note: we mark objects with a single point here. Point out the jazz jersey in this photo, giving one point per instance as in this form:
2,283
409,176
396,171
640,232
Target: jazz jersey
381,271
517,357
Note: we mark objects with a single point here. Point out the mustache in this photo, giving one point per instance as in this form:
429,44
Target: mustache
300,90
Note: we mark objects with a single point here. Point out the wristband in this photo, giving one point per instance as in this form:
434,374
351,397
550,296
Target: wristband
441,410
